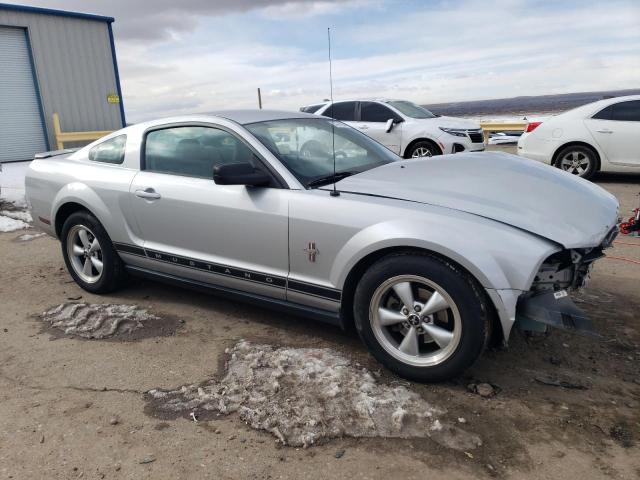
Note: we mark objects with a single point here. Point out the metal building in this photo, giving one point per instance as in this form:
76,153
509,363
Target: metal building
54,61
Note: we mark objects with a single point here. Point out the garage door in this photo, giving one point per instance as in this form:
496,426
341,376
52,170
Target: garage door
21,132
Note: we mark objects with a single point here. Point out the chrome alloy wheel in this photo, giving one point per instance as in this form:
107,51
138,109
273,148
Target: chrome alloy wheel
415,320
575,162
421,152
85,253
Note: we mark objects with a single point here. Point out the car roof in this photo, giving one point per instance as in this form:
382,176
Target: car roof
245,117
594,107
375,99
380,100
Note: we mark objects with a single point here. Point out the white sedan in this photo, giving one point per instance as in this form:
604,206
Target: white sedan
600,136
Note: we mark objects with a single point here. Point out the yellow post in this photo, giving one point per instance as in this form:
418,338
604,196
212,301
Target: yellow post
57,131
62,137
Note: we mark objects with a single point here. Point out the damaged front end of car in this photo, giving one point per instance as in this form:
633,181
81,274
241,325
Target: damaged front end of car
548,302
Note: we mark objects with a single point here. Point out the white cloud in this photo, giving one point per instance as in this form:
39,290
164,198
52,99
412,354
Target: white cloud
202,56
292,10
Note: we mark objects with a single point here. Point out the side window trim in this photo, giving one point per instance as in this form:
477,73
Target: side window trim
280,183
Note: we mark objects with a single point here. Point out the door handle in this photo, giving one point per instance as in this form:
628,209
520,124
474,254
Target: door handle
604,131
148,194
363,127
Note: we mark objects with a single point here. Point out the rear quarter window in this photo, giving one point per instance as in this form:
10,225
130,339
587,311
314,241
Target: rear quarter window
312,108
109,151
343,111
604,114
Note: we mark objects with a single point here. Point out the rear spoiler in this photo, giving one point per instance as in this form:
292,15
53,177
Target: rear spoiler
55,153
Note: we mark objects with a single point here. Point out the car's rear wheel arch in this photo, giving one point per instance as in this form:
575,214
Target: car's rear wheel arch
409,148
65,211
358,270
556,154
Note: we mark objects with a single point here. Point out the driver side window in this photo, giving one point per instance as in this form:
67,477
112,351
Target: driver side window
374,112
193,151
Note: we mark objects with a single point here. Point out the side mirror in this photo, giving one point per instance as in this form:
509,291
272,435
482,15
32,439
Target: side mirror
389,126
240,174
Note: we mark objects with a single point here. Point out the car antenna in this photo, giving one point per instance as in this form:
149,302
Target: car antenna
334,192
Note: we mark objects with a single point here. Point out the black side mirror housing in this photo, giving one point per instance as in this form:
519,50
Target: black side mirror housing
240,174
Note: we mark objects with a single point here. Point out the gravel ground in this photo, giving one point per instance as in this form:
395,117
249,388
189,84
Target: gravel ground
553,406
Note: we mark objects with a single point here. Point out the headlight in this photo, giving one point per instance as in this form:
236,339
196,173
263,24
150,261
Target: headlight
458,132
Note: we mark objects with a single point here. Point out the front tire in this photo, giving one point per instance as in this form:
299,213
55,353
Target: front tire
89,254
422,149
421,317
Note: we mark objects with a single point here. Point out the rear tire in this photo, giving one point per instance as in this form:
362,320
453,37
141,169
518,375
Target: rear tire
448,316
578,160
89,254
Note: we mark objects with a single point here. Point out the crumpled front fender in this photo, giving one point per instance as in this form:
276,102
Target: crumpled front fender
503,259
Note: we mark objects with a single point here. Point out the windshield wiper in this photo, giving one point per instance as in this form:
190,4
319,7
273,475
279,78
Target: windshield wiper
318,182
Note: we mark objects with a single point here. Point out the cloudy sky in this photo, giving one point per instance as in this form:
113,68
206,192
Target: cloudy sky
182,56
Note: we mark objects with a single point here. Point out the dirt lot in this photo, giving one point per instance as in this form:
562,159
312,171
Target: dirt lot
564,406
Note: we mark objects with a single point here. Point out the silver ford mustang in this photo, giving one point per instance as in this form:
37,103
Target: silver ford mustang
429,259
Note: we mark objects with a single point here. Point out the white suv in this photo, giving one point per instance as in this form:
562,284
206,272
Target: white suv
405,128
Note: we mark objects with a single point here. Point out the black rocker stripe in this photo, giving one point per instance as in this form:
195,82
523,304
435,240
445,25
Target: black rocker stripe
225,270
316,290
218,269
132,249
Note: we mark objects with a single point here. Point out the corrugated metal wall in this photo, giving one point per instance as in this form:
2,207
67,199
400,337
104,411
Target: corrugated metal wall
21,130
74,67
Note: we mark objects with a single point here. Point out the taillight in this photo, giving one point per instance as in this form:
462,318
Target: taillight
531,126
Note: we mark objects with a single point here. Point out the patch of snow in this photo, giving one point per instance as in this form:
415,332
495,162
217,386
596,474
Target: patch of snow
17,203
17,215
304,396
10,225
12,181
13,216
28,237
96,321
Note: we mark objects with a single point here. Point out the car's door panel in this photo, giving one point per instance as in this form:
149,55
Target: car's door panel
624,143
372,121
230,235
616,129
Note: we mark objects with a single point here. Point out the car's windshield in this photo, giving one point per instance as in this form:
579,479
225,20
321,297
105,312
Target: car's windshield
410,109
306,145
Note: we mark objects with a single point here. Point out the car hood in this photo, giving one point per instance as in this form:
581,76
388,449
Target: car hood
525,194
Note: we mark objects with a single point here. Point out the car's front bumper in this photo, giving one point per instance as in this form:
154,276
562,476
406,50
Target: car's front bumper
554,308
462,145
472,142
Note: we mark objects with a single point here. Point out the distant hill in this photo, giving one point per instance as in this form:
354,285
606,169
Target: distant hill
525,105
